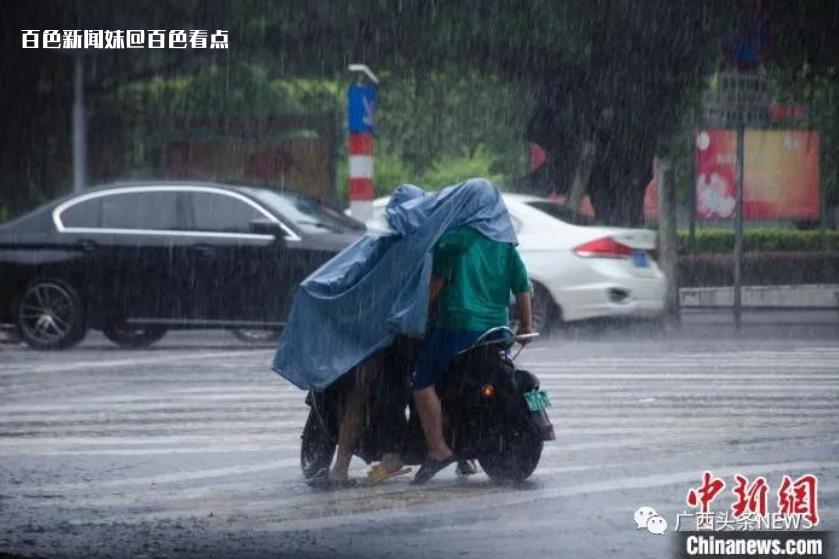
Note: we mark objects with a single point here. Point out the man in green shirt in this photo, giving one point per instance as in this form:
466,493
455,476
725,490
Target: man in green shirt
473,277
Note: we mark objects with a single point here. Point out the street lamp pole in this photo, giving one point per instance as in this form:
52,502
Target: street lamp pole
738,227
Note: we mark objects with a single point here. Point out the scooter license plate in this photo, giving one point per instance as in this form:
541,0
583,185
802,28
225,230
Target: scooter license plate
537,400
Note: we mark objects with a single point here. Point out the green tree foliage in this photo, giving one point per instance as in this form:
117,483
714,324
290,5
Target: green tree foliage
612,72
432,130
606,71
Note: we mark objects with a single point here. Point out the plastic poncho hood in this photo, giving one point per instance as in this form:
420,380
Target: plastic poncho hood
377,288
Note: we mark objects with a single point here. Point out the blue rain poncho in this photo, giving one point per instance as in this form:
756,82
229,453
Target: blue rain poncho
377,288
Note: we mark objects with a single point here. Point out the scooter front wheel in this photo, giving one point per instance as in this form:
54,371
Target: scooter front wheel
515,457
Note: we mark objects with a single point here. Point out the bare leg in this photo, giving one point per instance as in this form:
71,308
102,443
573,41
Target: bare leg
431,417
348,432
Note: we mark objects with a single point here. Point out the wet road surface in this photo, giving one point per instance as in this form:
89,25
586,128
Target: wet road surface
191,448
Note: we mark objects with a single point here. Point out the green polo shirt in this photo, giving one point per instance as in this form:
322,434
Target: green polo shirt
479,275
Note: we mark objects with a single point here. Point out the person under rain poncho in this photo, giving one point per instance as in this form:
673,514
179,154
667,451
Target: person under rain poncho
378,287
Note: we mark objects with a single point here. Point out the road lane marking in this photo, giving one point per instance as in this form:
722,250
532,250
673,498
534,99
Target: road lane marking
131,362
44,442
562,404
245,447
405,503
140,405
563,421
677,377
507,499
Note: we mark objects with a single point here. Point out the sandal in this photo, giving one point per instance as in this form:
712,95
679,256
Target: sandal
378,473
430,468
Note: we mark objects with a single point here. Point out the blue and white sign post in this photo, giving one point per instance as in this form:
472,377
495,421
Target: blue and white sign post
362,108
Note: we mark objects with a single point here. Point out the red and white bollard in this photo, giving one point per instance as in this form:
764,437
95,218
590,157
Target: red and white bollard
360,149
361,112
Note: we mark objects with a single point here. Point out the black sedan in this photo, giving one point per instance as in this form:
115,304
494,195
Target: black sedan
134,260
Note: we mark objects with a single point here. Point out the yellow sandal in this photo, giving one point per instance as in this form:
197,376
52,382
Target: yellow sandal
378,473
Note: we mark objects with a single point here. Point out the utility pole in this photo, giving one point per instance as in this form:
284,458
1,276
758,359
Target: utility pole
668,241
79,132
738,227
740,101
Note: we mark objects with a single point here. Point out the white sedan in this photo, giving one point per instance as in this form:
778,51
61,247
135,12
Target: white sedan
578,271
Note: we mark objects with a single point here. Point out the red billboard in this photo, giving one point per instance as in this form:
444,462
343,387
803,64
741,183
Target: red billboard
781,174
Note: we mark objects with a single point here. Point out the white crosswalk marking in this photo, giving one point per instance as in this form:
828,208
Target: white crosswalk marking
182,436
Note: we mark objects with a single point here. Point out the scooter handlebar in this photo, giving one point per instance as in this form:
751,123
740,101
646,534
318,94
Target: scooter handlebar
523,339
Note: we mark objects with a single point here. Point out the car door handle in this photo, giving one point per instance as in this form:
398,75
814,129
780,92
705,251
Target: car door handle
204,250
88,245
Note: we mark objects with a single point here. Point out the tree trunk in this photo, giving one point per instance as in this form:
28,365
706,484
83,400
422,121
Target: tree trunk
667,241
582,175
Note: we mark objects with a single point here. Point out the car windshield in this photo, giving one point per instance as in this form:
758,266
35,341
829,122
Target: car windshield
307,214
562,213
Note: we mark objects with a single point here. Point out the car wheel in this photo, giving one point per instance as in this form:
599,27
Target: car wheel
255,337
50,315
543,308
133,337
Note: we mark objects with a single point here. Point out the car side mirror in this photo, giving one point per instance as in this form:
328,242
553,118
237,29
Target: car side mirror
267,227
